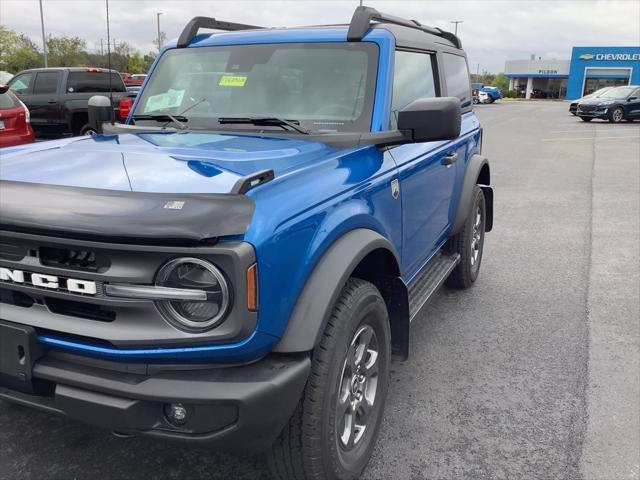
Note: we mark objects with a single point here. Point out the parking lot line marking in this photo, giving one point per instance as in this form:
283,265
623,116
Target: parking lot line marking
589,138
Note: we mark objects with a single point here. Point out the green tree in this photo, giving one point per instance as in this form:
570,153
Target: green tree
66,51
17,52
501,81
136,63
148,60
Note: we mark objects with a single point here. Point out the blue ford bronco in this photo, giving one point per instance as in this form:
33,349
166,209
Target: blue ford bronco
237,263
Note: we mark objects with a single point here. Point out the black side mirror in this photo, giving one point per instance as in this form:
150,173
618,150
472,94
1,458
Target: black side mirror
631,99
4,88
431,119
100,111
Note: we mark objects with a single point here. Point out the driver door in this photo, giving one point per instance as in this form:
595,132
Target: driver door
426,177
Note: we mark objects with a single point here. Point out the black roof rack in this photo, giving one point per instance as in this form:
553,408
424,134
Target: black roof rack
363,16
191,30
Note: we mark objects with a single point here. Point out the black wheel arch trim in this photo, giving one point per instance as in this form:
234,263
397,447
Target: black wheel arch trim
472,177
320,293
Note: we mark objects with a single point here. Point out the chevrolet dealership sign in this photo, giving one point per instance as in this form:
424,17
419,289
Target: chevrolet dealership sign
611,57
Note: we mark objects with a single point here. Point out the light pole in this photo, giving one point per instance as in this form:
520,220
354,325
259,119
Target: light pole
159,39
44,39
456,23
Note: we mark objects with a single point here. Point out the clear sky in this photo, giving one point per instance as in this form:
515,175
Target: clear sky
492,30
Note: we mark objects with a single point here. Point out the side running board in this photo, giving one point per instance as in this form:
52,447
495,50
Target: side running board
429,279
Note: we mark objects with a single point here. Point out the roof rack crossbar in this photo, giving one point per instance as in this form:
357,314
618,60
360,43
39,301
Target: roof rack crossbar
363,16
191,30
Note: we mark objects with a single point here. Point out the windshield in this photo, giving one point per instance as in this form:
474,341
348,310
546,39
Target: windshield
621,92
598,93
323,86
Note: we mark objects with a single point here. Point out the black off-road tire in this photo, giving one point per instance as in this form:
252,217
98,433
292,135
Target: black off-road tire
466,272
309,446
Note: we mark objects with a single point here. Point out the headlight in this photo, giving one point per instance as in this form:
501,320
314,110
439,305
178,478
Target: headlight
199,275
604,104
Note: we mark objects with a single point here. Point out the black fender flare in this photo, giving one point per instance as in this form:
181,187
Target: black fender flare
472,177
320,293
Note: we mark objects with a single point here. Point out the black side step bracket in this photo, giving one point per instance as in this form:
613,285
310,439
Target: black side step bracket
246,183
430,278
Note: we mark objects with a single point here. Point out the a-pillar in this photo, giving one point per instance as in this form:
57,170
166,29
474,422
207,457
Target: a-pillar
529,87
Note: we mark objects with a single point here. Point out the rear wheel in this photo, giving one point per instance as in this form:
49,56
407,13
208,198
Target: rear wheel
586,119
469,243
87,130
616,115
335,427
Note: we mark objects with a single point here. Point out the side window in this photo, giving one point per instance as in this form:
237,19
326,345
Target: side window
457,78
20,84
46,82
94,82
413,78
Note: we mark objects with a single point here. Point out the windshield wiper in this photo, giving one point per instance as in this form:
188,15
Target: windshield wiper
265,121
165,117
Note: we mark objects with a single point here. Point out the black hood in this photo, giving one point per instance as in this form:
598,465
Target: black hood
115,214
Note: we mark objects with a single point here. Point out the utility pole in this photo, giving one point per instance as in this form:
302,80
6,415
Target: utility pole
456,23
44,39
159,39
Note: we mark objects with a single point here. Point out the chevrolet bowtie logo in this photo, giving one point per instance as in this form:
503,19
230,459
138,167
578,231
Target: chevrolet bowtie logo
586,56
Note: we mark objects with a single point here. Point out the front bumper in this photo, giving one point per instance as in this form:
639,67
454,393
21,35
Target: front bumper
599,113
240,407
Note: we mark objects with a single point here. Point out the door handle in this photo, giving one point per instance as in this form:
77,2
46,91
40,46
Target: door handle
51,101
450,159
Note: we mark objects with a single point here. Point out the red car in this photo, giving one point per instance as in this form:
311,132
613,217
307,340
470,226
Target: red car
133,80
15,126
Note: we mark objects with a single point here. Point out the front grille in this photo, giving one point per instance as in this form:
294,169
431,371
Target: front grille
18,299
587,108
75,259
80,309
47,283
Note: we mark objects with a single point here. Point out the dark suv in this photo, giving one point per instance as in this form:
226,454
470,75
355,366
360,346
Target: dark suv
615,105
238,262
57,97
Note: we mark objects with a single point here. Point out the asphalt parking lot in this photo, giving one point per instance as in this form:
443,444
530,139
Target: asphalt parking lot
532,373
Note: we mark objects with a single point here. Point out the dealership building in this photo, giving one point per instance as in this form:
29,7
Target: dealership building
589,69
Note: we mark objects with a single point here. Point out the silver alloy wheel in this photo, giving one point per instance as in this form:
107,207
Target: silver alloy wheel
476,239
617,115
358,388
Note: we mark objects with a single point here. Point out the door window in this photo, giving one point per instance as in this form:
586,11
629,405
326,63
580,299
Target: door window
20,84
413,78
457,78
46,82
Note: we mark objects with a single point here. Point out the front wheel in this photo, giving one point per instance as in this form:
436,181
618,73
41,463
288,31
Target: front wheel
335,427
586,119
469,243
616,115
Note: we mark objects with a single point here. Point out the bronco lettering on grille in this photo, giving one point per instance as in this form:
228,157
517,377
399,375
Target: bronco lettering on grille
51,282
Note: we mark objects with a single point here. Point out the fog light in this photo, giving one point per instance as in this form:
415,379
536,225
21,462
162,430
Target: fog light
176,414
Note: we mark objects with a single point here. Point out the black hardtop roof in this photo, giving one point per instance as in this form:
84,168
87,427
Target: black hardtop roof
407,32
